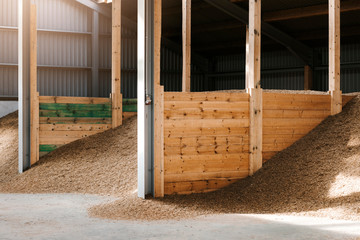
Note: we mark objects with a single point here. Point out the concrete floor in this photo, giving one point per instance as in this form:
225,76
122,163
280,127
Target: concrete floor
64,216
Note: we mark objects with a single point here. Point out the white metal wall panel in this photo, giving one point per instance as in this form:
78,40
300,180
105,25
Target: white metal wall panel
64,82
8,88
8,13
8,47
64,50
66,15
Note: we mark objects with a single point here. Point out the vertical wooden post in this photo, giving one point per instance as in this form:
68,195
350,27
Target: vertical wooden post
186,35
247,58
253,75
158,106
308,77
116,65
334,56
34,95
95,55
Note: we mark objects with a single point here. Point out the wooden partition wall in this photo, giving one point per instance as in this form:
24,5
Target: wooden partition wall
206,144
67,119
206,135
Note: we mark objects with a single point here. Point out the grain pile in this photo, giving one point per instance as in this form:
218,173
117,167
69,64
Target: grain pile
319,176
101,164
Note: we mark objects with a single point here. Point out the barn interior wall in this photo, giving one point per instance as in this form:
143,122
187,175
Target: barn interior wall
65,51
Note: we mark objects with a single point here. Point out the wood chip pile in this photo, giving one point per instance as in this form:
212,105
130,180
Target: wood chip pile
317,176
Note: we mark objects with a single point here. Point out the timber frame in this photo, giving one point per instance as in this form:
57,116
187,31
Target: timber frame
154,104
255,27
46,122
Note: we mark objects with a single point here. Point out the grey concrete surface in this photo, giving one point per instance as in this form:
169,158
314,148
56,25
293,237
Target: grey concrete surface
7,107
64,216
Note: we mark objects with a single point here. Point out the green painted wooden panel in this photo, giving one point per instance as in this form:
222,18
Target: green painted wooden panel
129,108
47,148
130,105
72,107
75,113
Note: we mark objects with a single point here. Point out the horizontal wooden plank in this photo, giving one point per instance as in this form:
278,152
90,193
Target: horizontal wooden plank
74,127
290,130
67,134
205,166
282,138
286,97
205,176
280,113
74,107
77,100
197,186
75,113
276,105
129,108
204,105
208,131
268,155
48,148
58,140
127,115
206,140
68,120
346,99
206,150
275,147
206,158
197,113
206,123
206,96
289,122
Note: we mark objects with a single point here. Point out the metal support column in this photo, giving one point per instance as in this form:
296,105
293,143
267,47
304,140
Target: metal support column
145,93
24,83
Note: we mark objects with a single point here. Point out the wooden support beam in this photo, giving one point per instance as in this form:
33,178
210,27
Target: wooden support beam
297,48
34,95
308,77
95,55
253,62
310,11
334,56
158,106
116,95
186,28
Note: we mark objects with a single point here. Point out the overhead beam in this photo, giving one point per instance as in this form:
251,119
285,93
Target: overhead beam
104,10
299,49
202,28
334,56
310,11
186,41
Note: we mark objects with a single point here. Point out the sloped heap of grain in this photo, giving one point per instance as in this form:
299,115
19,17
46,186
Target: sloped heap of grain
319,175
101,164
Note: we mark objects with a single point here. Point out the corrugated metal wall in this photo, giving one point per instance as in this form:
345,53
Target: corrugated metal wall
8,48
171,72
282,70
65,58
65,50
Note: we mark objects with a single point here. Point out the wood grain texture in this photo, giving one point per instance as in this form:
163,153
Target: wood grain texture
205,140
34,95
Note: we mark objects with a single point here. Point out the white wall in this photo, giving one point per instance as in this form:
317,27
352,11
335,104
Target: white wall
7,107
